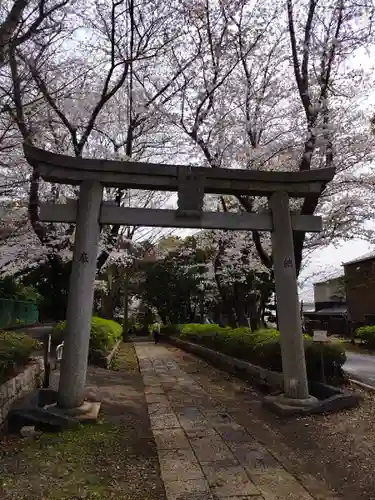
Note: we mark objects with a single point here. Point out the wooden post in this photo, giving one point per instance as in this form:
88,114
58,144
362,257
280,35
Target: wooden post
288,313
81,295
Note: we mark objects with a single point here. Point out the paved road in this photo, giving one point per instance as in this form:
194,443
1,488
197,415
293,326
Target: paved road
203,452
361,367
37,332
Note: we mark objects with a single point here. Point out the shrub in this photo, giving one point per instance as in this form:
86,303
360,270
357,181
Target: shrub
57,335
334,357
366,334
168,330
15,350
263,348
104,334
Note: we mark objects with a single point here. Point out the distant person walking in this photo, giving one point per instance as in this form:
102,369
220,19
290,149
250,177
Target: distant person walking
156,332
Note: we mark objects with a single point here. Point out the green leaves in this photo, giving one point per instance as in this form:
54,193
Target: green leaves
366,334
262,347
104,333
15,350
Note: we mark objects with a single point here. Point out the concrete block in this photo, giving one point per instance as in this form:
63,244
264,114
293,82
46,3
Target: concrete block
280,486
171,439
229,481
232,432
209,449
164,421
179,465
254,457
156,398
196,489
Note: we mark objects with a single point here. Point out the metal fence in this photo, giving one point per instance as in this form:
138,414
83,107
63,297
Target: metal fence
17,313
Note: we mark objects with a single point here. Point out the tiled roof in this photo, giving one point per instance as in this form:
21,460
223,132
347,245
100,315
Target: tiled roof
333,310
366,256
328,311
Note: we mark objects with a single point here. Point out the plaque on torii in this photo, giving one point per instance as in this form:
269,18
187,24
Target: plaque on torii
191,184
190,193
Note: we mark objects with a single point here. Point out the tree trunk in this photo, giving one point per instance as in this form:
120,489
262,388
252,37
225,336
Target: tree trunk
254,316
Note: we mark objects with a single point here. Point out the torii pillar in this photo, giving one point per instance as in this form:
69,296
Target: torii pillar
81,295
288,313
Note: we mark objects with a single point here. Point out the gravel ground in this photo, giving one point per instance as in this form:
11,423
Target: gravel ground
337,449
114,459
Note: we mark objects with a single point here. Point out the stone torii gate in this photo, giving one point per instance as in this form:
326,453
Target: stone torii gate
191,183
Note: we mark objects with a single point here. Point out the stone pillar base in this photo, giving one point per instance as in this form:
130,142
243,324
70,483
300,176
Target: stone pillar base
285,406
87,412
39,409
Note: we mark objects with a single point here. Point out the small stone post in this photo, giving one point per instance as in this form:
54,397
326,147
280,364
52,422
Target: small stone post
289,319
81,295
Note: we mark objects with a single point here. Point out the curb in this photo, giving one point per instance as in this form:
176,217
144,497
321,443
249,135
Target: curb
362,385
329,398
108,359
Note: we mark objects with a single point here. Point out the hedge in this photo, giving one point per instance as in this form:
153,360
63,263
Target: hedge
104,334
366,334
262,347
15,351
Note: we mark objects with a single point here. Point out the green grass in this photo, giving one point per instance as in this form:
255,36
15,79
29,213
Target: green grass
113,459
125,358
67,464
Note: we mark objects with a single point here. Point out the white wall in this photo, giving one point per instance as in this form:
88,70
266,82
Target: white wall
329,291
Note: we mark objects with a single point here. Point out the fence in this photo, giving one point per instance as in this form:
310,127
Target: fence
17,312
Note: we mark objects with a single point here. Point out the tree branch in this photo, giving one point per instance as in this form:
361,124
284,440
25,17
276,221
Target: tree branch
9,26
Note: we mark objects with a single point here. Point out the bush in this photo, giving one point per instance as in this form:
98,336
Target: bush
334,357
168,330
104,334
366,334
263,348
15,350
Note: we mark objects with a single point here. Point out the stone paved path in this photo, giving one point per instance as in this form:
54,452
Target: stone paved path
203,453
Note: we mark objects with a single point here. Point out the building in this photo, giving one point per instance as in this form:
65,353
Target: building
330,294
347,300
330,309
360,288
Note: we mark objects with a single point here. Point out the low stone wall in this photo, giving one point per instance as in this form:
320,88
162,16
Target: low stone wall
24,382
330,399
104,360
256,374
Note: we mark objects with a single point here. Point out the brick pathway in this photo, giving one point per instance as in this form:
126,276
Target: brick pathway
203,453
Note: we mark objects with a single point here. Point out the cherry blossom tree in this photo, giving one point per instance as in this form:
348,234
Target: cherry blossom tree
278,86
246,83
87,82
210,273
14,30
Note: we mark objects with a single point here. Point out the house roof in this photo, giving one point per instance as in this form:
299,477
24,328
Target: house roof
331,277
329,311
362,258
333,310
